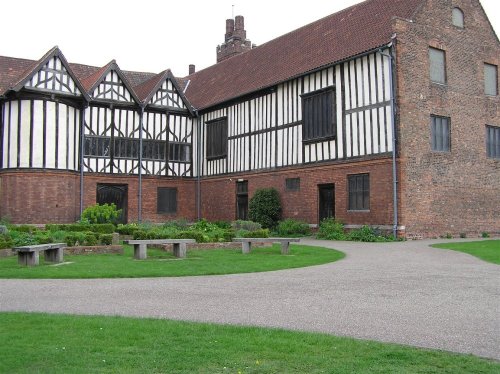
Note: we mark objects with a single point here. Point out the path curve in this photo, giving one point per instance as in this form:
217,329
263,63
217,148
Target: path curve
404,293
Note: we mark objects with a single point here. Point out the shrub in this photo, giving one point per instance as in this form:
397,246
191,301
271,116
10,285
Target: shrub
90,239
463,235
180,224
44,237
222,224
485,234
246,225
25,228
106,213
291,227
364,234
265,207
106,239
128,229
331,229
262,233
5,241
192,234
140,235
20,238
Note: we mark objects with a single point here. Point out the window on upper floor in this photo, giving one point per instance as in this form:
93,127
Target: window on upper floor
457,17
440,134
99,146
154,150
490,79
319,115
359,191
493,142
126,148
217,139
180,152
437,64
166,200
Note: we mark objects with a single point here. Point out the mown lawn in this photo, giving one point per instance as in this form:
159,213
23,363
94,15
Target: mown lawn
41,343
164,264
487,250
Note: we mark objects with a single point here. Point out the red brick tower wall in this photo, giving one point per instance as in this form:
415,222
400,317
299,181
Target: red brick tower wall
457,191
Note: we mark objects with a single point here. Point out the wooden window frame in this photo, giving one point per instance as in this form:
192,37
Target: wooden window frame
493,142
178,153
495,78
170,208
319,124
440,146
445,76
363,193
216,138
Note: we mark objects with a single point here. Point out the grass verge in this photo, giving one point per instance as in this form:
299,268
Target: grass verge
486,250
41,343
164,264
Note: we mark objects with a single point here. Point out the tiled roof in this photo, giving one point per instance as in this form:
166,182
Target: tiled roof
11,69
339,36
144,89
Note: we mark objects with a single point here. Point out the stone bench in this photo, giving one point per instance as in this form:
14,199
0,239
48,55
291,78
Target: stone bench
246,243
141,246
29,255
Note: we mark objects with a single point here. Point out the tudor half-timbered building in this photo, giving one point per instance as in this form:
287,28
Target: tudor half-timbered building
385,114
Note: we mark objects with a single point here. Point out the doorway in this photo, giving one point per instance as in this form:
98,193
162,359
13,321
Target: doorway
242,200
326,201
114,194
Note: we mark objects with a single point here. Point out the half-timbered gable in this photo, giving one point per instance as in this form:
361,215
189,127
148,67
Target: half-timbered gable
41,116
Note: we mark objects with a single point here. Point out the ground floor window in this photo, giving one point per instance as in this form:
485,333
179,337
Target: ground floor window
359,191
166,200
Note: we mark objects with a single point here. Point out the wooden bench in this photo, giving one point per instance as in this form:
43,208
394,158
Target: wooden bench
140,246
29,255
246,243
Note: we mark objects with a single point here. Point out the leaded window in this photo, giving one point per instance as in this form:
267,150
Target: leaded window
166,200
126,148
98,146
180,152
153,150
217,139
437,62
493,142
490,80
318,116
440,134
359,191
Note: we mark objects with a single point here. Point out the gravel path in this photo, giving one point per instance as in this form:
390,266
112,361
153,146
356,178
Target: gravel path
405,293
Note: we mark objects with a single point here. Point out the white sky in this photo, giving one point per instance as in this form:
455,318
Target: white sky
153,35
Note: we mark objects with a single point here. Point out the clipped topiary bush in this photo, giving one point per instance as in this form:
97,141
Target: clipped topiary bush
106,239
105,213
265,207
291,227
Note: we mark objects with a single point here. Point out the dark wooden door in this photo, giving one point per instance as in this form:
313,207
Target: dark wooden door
242,200
114,194
326,194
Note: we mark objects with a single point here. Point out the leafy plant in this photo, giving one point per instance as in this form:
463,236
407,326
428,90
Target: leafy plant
246,225
106,239
265,207
485,234
106,213
291,227
262,233
331,229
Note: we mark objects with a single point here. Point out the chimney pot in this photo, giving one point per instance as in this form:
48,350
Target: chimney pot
192,69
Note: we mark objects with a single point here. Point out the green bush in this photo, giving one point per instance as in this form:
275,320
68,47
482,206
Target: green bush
5,241
265,207
364,234
485,234
291,227
100,228
331,229
106,213
262,233
24,228
90,239
44,237
140,235
246,225
192,234
127,229
106,239
222,224
179,224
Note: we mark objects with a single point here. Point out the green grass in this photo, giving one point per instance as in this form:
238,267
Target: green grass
41,343
164,264
486,250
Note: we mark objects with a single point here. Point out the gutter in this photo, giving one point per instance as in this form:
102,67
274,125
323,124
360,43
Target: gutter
391,57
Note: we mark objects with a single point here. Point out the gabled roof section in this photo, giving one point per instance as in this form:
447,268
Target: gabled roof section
11,70
108,83
162,90
342,35
51,73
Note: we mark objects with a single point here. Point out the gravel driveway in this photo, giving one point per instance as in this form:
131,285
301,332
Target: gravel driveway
405,293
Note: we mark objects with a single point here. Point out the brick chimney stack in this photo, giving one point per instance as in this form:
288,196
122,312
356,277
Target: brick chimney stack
192,69
235,39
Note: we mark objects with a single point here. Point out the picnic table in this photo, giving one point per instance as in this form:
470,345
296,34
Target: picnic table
246,243
141,246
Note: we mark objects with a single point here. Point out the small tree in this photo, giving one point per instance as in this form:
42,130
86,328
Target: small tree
265,207
106,213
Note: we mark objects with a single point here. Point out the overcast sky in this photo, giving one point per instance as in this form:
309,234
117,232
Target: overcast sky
153,35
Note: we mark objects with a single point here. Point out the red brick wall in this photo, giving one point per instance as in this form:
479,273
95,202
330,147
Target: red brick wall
39,196
456,191
186,195
219,193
